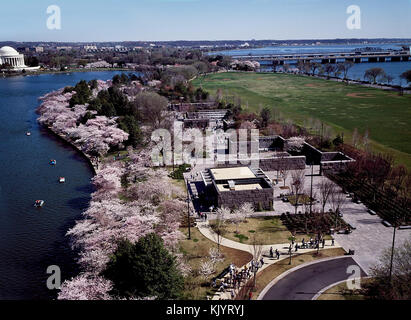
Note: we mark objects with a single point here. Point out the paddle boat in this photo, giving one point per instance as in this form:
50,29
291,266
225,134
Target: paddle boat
28,133
39,203
53,162
62,180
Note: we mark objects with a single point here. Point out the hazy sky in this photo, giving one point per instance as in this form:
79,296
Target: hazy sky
122,20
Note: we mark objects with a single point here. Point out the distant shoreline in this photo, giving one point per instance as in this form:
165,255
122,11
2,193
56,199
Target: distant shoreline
68,142
28,73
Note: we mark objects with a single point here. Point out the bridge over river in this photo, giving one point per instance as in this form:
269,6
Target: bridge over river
337,57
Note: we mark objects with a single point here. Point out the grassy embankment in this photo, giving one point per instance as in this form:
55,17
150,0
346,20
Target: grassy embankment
343,107
269,230
341,292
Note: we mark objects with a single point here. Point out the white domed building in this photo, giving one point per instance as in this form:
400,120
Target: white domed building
14,59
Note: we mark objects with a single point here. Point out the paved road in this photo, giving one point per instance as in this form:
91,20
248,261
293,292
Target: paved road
304,283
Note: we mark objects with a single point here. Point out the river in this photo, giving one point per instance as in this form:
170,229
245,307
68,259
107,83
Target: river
32,239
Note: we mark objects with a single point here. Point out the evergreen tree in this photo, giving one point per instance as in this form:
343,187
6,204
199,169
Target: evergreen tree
144,269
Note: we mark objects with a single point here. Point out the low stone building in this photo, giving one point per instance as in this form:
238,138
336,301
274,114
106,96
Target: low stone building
233,186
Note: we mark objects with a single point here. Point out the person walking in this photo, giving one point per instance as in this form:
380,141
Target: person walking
271,252
332,242
323,243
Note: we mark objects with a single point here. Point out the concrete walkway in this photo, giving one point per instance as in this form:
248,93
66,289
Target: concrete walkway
206,231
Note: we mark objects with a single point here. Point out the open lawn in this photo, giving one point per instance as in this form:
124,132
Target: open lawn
270,230
196,250
344,107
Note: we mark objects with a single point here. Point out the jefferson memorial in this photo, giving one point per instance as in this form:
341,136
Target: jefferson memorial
14,59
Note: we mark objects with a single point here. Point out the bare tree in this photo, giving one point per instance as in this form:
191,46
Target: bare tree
329,69
325,190
355,138
345,68
392,276
257,250
284,169
297,186
219,226
374,73
337,202
314,67
152,107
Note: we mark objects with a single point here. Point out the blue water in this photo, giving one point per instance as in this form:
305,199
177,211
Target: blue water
32,239
305,49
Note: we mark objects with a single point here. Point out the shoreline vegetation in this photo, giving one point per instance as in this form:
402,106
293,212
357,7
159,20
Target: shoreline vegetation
131,200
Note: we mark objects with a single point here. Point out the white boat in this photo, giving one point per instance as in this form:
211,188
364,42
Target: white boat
39,203
62,180
28,133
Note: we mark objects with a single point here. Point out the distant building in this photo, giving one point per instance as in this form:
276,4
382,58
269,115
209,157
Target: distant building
15,60
66,48
90,48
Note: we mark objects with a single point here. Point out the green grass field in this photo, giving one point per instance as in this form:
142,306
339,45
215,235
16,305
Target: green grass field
386,115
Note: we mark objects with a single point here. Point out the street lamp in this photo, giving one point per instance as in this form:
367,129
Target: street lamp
392,252
311,188
188,211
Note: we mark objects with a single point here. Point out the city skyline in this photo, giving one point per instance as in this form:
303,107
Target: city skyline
170,20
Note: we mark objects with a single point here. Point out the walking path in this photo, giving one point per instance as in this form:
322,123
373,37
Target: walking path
206,231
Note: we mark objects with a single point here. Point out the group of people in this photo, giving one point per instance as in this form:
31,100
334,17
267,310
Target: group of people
203,216
235,278
276,252
311,244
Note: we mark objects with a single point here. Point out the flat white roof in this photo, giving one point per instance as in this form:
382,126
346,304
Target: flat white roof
232,173
241,187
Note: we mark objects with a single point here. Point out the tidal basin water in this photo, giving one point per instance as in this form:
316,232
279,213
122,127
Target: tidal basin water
31,239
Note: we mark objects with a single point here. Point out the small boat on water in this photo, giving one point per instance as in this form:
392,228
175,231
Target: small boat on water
39,203
53,162
28,133
62,180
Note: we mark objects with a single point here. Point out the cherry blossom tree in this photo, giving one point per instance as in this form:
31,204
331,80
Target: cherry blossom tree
86,286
